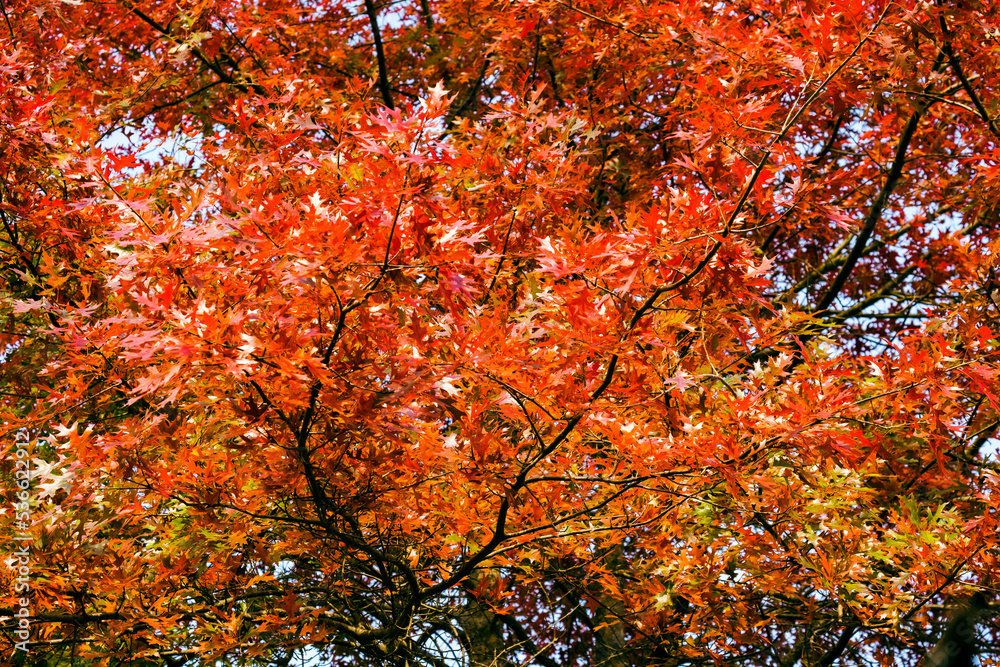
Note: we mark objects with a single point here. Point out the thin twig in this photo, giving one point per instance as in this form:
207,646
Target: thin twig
619,26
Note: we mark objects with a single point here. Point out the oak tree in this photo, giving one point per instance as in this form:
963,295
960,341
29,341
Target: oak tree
456,332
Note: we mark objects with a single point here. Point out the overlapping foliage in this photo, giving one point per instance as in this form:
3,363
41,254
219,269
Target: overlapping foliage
529,333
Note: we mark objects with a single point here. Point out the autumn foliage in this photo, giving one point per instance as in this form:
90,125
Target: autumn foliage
459,332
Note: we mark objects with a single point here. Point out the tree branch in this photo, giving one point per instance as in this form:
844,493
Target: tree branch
383,72
875,212
956,67
837,649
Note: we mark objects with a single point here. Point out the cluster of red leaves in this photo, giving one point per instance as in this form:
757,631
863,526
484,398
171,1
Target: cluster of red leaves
458,332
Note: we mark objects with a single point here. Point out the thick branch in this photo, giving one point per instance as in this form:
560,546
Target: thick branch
956,67
383,72
837,649
874,213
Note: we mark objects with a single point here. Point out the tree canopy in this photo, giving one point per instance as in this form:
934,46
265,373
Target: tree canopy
530,333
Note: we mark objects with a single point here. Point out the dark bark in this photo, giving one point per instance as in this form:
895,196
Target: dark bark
383,71
958,646
483,629
609,630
